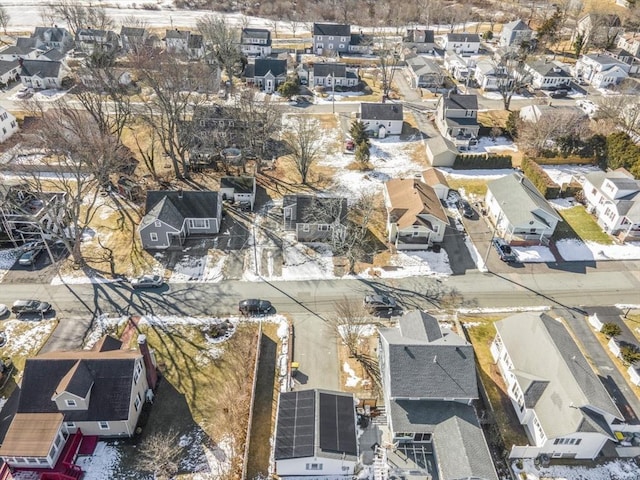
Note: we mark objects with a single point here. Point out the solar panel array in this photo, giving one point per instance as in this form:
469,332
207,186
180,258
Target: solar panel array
296,425
337,424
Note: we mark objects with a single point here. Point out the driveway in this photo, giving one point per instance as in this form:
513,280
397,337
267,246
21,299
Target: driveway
42,271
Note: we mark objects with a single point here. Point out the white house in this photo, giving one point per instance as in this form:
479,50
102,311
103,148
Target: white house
557,397
459,67
9,71
8,124
514,33
239,189
316,435
255,42
41,74
423,72
536,113
614,198
630,42
490,76
601,70
415,216
519,211
333,75
382,118
462,43
547,75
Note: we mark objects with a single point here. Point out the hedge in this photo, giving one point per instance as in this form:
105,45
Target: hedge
570,160
534,172
474,162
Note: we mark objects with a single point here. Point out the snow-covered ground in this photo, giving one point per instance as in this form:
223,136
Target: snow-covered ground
412,264
534,254
576,250
566,173
478,174
615,470
7,260
489,145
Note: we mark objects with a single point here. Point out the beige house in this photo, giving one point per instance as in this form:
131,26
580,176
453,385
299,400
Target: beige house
66,396
415,216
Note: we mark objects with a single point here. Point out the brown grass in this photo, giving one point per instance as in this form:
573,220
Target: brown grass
471,186
620,365
632,320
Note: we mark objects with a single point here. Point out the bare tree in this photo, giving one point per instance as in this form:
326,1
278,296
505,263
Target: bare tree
223,41
160,453
542,134
389,55
302,137
622,110
4,19
77,16
512,75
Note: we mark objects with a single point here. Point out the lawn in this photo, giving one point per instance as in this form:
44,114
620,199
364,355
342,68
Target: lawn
579,224
472,186
481,332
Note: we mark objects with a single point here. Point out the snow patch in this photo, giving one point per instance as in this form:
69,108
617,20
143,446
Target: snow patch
573,250
352,380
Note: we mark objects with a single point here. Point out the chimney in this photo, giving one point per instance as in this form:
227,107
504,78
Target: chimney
180,194
149,361
20,61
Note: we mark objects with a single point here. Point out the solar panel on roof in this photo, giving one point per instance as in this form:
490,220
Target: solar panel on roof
296,425
337,424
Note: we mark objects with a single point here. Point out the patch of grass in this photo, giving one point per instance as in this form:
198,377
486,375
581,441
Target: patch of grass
471,186
632,320
580,224
620,365
481,331
493,118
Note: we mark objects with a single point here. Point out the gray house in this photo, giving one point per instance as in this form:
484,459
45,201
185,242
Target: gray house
330,38
314,219
132,38
266,73
242,190
514,33
333,74
457,118
430,382
419,41
255,42
423,73
171,217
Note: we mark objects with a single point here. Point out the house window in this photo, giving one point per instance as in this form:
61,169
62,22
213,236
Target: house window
305,227
323,228
70,403
331,46
153,236
103,425
314,466
341,45
157,223
137,372
137,402
330,38
70,425
202,223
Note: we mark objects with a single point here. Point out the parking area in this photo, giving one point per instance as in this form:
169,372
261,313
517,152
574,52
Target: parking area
43,269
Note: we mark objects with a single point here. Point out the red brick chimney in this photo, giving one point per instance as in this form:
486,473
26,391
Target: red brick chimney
149,361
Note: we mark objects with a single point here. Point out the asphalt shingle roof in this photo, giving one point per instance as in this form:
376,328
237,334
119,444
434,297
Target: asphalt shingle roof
260,33
263,66
463,37
239,184
457,101
332,29
168,207
422,365
41,68
337,70
312,209
381,111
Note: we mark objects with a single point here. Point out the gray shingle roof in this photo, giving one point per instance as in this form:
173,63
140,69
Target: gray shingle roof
56,34
442,367
422,66
53,54
332,29
457,101
8,66
168,207
239,184
463,37
548,69
519,200
260,33
263,66
516,25
18,49
183,34
381,111
541,346
459,444
132,31
338,70
41,68
312,209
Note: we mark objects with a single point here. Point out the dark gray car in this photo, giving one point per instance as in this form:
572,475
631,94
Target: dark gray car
377,303
30,306
505,252
254,306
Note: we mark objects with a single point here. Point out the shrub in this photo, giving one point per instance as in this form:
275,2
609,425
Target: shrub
611,330
534,172
474,162
630,354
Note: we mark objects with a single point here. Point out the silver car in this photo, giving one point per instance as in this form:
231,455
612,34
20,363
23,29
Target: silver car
147,281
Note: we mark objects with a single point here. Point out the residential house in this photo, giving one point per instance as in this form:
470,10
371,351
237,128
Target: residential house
313,218
266,73
255,42
441,152
515,33
562,404
330,38
241,190
88,39
416,218
490,76
429,384
462,43
601,70
457,118
52,55
457,66
629,41
625,57
171,217
46,38
519,211
361,44
9,71
423,72
8,124
547,75
41,74
27,216
195,47
419,41
536,113
14,52
65,396
184,42
132,38
333,75
598,29
316,436
382,119
436,180
614,198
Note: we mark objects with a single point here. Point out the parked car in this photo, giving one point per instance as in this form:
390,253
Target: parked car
465,208
147,281
504,250
349,145
3,309
254,306
30,256
559,93
30,306
378,303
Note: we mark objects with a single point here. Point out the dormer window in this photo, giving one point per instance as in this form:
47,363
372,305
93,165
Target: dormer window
71,403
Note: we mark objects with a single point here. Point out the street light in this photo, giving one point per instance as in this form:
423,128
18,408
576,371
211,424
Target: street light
495,230
333,93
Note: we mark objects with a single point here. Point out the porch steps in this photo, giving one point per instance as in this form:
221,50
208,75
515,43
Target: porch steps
381,417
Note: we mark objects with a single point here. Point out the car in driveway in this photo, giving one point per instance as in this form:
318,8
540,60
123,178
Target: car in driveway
464,208
30,257
20,307
147,281
505,252
254,306
379,303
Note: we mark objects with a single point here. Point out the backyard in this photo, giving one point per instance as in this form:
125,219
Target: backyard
577,223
